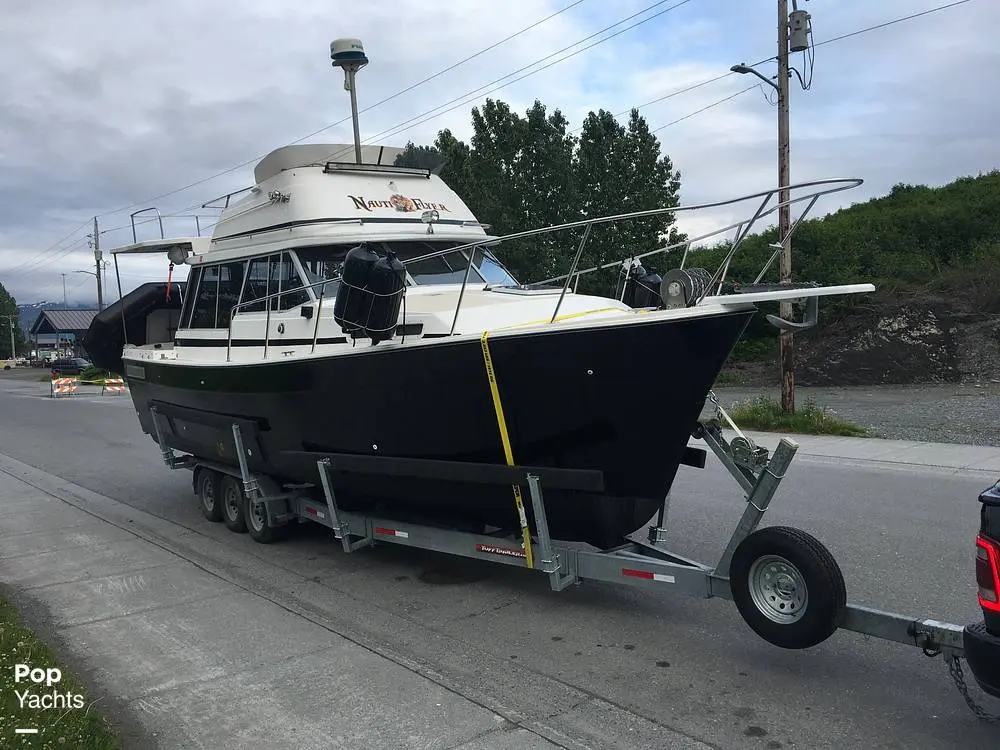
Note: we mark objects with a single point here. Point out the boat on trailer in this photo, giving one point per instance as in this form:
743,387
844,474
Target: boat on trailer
357,308
281,325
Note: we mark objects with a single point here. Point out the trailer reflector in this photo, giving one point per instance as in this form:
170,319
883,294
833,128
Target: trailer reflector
391,532
648,575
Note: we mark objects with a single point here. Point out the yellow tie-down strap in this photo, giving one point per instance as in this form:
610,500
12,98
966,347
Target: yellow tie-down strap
560,318
508,453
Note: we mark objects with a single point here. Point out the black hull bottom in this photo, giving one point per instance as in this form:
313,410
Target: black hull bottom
621,400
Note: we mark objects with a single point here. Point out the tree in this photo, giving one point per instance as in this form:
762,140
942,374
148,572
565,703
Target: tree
419,157
8,318
620,170
455,171
519,173
515,175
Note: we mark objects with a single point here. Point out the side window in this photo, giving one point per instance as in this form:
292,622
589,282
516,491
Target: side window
230,284
323,262
203,315
258,284
190,292
289,278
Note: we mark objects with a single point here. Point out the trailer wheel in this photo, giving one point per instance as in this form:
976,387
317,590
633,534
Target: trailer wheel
234,504
259,524
788,587
206,483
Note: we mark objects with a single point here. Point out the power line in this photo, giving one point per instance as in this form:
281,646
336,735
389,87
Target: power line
668,96
671,95
466,98
324,128
432,113
719,77
894,21
366,109
706,108
51,247
865,30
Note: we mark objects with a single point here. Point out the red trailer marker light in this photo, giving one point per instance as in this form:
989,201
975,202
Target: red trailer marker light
988,573
384,531
648,575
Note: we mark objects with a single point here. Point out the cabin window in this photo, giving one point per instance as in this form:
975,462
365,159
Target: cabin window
288,278
258,284
323,262
189,298
441,269
491,269
203,314
272,275
229,286
218,290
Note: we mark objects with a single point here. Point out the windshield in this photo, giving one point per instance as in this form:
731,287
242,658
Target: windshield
324,262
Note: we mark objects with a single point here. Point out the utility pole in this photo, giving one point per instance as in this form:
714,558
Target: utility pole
786,351
97,264
794,32
65,304
10,319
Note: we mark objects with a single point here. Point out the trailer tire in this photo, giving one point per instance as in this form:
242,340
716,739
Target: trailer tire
234,504
788,587
206,486
259,525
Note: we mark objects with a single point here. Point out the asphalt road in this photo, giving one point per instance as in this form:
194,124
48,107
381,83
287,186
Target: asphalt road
903,538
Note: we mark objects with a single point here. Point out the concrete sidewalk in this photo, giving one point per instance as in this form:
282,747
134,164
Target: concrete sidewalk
201,661
886,453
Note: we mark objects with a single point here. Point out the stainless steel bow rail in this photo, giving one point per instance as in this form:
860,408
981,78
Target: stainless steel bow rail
786,585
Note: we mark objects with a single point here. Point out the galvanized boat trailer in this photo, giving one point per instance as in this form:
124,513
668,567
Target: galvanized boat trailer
786,585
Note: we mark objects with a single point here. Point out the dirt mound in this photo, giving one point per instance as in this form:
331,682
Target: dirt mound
911,341
891,341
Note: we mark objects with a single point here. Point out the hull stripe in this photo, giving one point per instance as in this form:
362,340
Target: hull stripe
508,453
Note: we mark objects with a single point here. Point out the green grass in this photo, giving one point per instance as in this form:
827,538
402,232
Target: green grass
63,726
765,414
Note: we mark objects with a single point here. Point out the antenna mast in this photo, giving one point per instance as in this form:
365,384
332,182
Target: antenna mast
349,54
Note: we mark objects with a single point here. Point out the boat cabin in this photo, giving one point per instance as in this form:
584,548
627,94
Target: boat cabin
265,283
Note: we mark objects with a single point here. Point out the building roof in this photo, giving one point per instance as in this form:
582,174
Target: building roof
57,321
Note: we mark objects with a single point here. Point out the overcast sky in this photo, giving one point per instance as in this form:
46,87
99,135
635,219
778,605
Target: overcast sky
108,105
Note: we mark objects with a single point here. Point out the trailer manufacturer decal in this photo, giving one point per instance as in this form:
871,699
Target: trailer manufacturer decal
494,550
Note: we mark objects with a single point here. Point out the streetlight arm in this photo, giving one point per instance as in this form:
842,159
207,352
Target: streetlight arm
741,68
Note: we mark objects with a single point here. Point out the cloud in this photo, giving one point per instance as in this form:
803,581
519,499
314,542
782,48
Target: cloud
107,104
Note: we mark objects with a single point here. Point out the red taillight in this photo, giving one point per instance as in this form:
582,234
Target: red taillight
988,573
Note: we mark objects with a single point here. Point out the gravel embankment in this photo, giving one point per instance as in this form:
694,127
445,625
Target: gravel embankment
964,414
